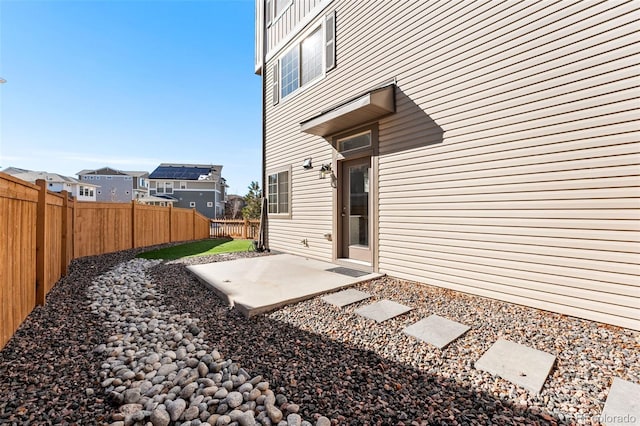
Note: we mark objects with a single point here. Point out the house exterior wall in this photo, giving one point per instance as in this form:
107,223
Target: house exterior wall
201,200
118,188
199,192
510,168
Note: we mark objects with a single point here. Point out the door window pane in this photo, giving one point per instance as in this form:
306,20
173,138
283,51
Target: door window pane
359,205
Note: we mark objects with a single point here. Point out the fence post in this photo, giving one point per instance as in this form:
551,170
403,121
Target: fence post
133,224
245,225
170,222
65,232
72,240
193,228
41,226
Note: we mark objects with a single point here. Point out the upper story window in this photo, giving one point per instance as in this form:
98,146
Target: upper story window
289,78
275,8
311,60
305,62
164,188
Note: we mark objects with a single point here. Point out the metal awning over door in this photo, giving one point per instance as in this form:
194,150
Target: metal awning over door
365,108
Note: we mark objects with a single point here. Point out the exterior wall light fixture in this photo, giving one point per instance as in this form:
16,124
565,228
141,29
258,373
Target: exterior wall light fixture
306,164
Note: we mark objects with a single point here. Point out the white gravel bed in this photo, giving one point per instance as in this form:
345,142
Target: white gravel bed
159,368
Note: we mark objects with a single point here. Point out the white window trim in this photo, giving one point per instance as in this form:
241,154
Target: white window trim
275,171
298,45
192,204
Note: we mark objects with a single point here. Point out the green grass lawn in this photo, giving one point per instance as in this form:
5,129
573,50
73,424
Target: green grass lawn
199,248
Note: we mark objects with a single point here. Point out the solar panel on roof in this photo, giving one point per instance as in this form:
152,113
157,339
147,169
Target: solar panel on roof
185,173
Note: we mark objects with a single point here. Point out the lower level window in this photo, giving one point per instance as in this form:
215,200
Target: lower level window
278,192
192,203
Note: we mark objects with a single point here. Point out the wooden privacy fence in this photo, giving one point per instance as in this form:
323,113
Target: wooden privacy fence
247,229
41,232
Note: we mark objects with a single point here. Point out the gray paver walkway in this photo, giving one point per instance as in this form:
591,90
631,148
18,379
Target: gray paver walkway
346,297
519,364
436,330
383,310
623,404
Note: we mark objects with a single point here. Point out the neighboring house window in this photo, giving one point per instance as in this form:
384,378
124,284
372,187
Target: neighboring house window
109,177
90,192
97,177
183,185
192,203
306,61
278,190
209,203
165,188
128,178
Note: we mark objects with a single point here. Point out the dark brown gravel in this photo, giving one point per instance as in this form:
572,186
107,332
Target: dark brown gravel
48,365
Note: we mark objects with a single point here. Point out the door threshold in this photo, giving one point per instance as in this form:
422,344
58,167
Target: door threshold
355,264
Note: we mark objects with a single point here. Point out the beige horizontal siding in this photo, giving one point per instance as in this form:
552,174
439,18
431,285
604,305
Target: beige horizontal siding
511,168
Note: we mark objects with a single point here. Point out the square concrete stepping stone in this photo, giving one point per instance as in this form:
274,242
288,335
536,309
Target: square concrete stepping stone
623,404
346,297
519,364
383,310
436,330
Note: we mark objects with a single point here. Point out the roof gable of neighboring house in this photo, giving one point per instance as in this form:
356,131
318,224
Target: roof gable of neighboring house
33,176
105,171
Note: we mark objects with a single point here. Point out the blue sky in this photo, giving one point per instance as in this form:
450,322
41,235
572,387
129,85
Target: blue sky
130,84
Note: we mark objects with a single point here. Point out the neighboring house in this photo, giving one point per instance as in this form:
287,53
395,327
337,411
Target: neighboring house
488,148
117,185
82,191
199,186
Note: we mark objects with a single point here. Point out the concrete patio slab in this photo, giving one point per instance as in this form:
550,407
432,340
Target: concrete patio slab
519,364
436,330
623,404
383,310
346,297
260,284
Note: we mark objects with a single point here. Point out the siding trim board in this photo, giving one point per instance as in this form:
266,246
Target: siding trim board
510,168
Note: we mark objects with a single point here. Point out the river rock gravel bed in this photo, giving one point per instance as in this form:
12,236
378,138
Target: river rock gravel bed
143,342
